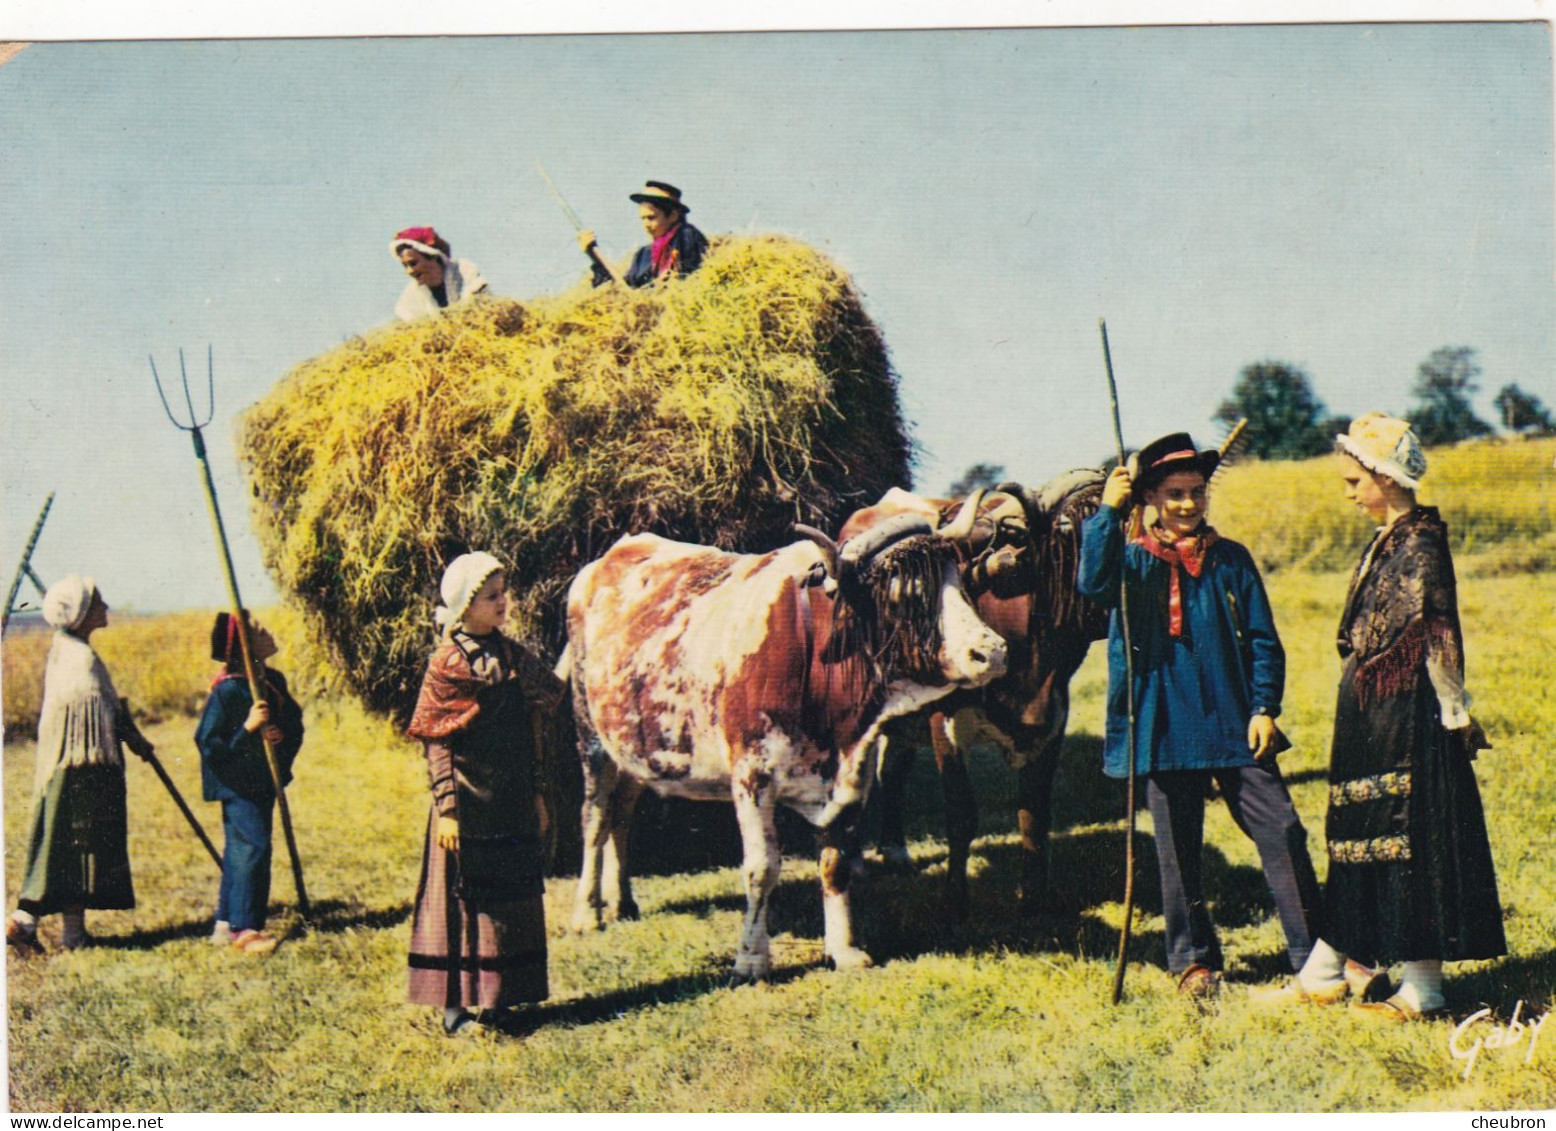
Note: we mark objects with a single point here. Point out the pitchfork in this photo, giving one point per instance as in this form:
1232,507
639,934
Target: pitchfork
256,688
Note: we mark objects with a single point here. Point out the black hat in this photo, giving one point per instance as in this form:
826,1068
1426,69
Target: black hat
1160,458
661,195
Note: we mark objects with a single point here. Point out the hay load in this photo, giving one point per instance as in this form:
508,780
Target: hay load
720,409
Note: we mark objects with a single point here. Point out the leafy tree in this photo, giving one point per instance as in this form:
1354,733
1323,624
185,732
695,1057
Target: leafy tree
1445,381
986,475
1523,412
1283,414
1332,426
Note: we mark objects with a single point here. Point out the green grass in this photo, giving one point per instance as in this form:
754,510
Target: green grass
993,1015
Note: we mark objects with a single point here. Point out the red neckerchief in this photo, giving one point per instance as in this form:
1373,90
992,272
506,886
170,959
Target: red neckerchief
1188,552
664,255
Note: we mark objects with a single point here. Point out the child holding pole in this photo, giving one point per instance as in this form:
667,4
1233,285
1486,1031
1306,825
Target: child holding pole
77,856
1209,671
234,771
478,935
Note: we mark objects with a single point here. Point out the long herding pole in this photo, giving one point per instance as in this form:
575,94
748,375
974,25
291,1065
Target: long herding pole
1129,678
24,567
256,687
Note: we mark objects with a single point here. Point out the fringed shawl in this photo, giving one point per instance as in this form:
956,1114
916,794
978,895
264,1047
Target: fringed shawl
78,721
465,665
1403,609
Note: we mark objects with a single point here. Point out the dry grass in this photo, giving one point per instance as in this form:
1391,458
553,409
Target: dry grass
1495,496
987,1017
161,664
720,408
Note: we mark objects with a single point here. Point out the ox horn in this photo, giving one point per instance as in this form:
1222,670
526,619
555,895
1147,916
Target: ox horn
862,547
828,547
1030,499
961,528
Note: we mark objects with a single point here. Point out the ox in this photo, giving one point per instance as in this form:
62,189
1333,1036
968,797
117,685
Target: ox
763,679
1021,571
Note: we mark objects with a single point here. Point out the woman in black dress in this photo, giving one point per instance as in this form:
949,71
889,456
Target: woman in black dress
1410,872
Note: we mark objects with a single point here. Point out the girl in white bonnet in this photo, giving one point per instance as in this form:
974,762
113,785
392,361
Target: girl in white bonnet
77,856
1410,872
478,935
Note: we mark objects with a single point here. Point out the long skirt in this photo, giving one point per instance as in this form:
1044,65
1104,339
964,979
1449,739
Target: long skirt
487,957
77,856
1410,872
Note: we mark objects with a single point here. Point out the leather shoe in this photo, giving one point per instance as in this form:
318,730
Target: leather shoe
1367,984
23,938
1293,993
1199,982
1396,1008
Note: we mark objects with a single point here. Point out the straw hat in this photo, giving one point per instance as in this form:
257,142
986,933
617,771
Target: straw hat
665,197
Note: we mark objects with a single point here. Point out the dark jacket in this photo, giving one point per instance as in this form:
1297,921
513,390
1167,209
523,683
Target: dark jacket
688,244
1194,695
232,761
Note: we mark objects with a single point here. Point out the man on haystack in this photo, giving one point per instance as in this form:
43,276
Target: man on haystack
676,248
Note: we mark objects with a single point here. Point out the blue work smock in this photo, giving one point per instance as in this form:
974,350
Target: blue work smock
232,761
1194,694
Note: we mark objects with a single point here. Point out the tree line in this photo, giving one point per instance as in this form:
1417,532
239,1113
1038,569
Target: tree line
1286,420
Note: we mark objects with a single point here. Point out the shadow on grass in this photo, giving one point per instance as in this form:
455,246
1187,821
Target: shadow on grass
901,915
329,917
609,1006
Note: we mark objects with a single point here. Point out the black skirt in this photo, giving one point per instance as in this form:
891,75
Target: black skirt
1410,871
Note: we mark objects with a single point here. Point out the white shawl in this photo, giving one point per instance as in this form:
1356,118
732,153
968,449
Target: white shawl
78,722
461,279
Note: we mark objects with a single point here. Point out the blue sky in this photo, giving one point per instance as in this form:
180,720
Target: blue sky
1346,198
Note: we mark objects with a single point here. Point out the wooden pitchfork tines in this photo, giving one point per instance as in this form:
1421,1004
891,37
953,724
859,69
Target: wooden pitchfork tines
193,426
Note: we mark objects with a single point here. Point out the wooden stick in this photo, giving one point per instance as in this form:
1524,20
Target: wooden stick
256,687
1129,676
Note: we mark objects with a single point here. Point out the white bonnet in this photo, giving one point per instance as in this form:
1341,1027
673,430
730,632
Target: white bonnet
66,603
1387,446
462,580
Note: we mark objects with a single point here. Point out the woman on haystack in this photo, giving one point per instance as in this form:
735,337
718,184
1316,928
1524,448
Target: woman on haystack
77,856
478,936
675,247
438,280
1410,871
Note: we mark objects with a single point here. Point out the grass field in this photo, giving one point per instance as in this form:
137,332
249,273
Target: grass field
993,1015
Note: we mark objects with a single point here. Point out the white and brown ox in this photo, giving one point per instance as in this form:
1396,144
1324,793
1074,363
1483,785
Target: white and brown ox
1021,572
762,679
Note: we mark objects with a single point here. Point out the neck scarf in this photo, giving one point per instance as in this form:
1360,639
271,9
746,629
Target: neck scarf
1187,551
664,254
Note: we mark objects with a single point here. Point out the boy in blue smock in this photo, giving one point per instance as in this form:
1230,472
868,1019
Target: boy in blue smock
234,771
1209,671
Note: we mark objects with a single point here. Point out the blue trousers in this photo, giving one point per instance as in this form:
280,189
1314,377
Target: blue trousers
1259,802
245,888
